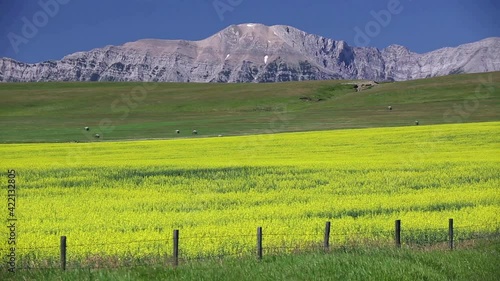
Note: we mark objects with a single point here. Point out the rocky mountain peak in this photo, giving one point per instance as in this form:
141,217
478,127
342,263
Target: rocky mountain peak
397,49
253,52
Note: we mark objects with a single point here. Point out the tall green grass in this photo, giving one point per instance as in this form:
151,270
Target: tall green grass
477,262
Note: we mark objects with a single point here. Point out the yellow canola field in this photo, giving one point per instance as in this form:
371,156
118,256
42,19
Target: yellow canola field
124,199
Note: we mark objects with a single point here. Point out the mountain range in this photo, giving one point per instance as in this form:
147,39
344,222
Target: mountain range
255,53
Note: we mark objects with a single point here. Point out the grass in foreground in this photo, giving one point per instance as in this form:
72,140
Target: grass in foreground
479,262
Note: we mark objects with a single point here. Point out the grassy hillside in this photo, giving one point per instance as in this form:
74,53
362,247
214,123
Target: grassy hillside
58,112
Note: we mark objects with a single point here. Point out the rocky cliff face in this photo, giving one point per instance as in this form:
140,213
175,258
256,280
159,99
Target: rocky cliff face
255,53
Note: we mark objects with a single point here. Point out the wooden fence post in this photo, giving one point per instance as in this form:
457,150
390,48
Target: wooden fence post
326,240
176,247
450,233
259,242
63,252
397,233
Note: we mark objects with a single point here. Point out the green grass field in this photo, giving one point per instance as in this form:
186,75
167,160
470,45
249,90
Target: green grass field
58,112
478,262
292,156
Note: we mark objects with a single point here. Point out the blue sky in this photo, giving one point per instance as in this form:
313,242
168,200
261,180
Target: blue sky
30,33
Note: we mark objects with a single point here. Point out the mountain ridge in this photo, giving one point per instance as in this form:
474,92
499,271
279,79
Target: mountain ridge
255,53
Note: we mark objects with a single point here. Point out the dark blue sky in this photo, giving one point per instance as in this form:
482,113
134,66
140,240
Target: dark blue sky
29,33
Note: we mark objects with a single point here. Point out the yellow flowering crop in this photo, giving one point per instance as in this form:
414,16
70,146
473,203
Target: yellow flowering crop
126,198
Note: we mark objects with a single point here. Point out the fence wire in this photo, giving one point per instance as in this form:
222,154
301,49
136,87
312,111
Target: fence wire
290,243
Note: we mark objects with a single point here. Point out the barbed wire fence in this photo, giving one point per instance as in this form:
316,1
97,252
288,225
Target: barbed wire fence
169,252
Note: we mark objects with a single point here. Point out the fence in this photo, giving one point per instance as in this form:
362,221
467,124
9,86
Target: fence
412,237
